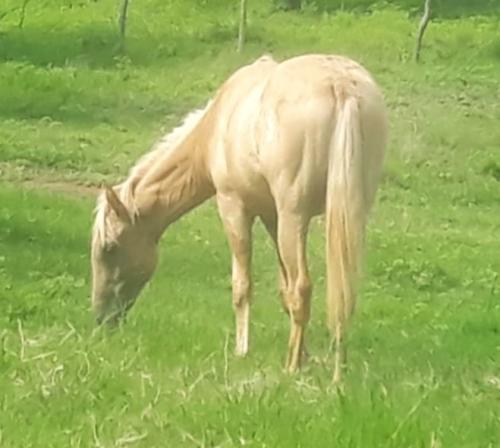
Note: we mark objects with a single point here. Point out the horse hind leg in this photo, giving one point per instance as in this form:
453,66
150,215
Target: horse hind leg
238,227
292,236
271,224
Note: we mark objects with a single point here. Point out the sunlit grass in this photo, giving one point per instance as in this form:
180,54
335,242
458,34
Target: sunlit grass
424,344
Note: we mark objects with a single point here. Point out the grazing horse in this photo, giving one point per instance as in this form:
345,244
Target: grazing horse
282,142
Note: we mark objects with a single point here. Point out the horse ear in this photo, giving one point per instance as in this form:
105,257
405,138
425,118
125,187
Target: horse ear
117,206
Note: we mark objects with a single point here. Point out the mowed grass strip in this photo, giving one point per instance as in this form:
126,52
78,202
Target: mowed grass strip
71,104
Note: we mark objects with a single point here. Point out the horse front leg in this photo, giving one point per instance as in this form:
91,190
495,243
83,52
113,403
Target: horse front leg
238,226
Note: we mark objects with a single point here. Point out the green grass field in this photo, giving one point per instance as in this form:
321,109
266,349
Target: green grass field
425,343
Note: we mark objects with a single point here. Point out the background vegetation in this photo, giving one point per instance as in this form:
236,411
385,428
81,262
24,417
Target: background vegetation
75,111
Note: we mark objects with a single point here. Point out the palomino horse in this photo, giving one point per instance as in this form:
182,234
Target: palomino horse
283,142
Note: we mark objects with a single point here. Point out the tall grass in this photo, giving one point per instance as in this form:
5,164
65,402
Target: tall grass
425,351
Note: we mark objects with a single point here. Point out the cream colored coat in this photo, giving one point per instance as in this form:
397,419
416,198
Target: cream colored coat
280,141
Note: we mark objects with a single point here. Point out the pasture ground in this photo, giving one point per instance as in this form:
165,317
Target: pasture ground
425,343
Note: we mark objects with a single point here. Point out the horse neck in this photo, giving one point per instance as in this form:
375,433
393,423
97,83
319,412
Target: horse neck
177,181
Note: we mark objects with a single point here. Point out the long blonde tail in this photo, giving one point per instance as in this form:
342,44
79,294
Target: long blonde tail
345,218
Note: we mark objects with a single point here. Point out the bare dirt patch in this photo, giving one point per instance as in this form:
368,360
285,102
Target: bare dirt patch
51,181
64,187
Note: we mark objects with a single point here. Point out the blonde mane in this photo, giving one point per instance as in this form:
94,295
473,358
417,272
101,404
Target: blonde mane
105,229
